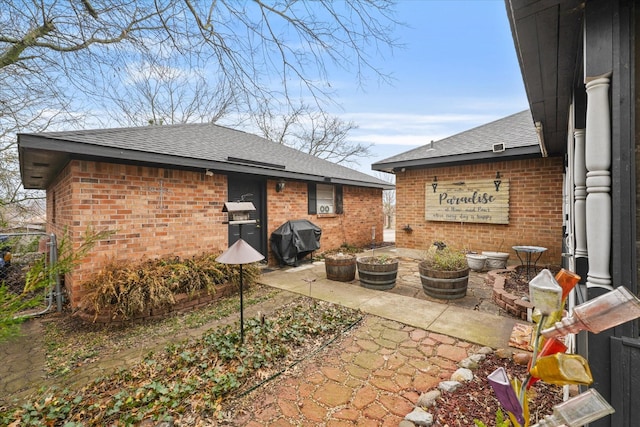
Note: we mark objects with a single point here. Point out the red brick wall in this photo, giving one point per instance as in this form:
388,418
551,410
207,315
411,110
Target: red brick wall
127,200
362,211
535,208
183,219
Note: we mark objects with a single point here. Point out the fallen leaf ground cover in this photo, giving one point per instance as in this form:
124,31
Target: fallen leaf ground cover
72,343
193,377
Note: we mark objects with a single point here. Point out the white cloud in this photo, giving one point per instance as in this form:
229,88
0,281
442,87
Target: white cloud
411,129
397,139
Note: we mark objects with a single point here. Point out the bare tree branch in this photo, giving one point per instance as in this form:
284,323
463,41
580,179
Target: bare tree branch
64,62
313,132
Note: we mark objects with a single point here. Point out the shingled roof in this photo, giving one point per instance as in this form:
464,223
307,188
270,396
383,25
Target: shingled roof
512,136
189,146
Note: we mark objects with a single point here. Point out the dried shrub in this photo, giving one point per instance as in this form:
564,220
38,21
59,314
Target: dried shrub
445,259
126,289
345,248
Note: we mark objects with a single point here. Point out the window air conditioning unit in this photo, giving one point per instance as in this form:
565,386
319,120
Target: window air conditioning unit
499,147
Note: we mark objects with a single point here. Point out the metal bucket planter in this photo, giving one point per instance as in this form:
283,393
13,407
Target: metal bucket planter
375,273
496,260
444,284
476,262
340,267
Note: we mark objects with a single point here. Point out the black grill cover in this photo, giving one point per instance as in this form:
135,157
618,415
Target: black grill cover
294,240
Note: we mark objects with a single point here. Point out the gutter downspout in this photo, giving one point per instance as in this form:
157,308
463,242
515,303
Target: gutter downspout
540,133
53,258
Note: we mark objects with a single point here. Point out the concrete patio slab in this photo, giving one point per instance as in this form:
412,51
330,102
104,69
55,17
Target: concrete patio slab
468,318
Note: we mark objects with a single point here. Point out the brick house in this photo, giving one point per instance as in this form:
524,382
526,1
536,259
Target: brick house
162,190
502,161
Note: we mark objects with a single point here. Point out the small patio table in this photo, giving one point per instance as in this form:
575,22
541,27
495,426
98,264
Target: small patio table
528,253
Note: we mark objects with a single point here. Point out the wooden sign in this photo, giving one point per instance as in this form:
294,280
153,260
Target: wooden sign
482,201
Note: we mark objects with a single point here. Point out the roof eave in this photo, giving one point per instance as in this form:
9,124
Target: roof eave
484,156
547,36
66,150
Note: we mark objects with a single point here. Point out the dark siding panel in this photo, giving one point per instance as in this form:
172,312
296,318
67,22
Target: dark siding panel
625,380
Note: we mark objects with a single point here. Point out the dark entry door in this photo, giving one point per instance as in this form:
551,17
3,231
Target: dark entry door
250,189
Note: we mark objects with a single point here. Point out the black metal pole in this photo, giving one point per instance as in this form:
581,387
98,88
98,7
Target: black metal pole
241,292
241,310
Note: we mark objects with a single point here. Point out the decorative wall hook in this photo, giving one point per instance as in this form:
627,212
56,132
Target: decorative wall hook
497,181
435,183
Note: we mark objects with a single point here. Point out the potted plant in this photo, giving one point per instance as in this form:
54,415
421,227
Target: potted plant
378,272
444,273
340,266
476,261
496,260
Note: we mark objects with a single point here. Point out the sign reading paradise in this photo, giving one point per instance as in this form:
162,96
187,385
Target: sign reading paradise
482,201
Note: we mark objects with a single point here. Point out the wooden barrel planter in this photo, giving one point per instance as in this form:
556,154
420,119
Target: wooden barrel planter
444,284
340,267
377,273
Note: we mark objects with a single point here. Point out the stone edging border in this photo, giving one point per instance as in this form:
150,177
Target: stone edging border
420,416
512,304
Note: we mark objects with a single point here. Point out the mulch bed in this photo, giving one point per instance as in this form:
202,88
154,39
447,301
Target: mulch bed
476,399
517,282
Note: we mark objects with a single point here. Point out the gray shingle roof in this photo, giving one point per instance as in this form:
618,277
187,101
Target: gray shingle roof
197,146
517,132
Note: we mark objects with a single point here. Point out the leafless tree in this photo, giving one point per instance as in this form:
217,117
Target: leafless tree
24,105
313,132
161,94
260,50
61,57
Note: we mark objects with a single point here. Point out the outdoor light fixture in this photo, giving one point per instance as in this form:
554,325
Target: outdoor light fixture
280,186
241,252
208,172
435,183
497,181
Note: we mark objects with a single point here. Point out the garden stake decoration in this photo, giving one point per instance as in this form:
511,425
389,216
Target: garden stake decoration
550,363
373,241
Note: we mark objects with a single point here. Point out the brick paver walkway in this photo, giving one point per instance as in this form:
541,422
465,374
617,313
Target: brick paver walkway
371,377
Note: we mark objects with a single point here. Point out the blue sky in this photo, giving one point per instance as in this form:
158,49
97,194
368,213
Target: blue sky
458,70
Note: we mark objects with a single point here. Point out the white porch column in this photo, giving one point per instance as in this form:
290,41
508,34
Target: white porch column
580,194
598,163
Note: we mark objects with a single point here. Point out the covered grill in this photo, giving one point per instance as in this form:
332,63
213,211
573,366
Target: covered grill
294,240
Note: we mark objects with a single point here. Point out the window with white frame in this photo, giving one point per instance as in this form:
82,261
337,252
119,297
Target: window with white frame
325,198
325,202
